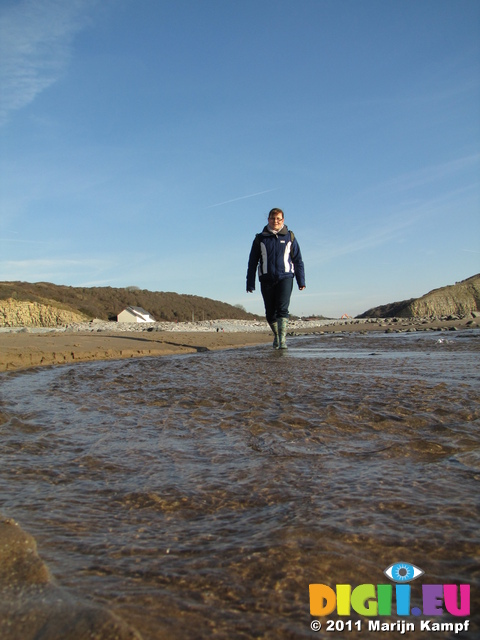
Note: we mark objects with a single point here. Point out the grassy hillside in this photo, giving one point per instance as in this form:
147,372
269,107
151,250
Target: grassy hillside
107,302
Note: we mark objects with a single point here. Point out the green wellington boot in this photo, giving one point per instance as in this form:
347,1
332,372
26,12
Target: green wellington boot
282,332
274,328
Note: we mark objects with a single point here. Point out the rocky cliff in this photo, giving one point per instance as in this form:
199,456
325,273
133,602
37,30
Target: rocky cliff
16,313
459,299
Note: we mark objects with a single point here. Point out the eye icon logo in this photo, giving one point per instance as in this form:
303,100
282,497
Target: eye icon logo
403,572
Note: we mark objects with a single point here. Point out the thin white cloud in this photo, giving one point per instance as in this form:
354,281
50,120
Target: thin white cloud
251,195
376,238
51,262
20,241
35,44
391,229
392,219
430,175
34,270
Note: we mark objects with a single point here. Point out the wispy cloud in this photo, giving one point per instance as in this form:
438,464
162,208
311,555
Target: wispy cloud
383,230
370,240
251,195
430,175
34,270
21,241
35,44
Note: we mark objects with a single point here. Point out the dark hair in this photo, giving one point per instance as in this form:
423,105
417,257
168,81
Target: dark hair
275,211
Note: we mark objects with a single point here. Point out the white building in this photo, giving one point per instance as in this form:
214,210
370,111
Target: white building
134,314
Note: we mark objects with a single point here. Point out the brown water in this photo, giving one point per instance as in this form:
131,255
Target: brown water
199,496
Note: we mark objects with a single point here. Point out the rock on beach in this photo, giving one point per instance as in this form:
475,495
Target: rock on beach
34,607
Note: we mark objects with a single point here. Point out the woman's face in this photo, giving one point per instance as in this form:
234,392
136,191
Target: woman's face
275,221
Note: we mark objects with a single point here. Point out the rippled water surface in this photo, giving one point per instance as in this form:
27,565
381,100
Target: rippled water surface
199,496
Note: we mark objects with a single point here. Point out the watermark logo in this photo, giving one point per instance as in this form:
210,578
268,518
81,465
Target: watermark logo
403,572
392,599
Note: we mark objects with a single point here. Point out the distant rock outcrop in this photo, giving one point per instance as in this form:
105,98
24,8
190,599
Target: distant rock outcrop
459,299
17,313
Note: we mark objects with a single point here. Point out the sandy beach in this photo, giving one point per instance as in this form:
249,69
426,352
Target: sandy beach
22,348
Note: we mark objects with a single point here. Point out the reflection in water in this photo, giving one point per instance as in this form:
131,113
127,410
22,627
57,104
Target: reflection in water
199,496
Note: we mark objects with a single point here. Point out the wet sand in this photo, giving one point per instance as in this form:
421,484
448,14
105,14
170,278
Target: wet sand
24,349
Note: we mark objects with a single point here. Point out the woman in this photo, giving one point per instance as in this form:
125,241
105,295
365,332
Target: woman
277,254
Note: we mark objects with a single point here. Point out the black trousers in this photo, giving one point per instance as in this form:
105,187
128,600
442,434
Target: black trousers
276,297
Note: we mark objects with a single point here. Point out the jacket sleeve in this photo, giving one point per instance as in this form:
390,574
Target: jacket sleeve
297,260
252,264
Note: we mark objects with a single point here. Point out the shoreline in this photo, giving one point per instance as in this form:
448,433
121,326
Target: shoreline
27,347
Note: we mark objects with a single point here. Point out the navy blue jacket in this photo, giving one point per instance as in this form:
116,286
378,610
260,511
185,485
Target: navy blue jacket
276,257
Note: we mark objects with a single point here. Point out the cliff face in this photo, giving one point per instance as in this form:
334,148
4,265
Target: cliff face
16,313
459,299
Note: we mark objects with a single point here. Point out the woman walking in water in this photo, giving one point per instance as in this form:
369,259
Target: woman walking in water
276,253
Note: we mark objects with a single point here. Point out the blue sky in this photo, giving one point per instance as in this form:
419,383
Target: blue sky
144,142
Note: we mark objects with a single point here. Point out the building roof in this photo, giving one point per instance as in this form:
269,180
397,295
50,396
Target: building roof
138,312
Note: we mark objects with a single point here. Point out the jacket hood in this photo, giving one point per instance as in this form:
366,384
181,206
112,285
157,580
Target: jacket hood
282,232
